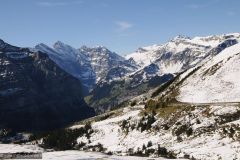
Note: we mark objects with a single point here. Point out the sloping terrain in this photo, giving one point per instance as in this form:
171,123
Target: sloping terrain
216,81
174,130
154,127
107,96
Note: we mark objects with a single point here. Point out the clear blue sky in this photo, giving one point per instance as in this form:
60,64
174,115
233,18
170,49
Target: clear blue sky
120,25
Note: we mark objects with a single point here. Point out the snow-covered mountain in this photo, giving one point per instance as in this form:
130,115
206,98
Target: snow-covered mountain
158,64
214,79
107,65
98,64
178,54
90,65
72,61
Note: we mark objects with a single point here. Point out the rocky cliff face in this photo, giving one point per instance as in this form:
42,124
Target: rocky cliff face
35,93
90,65
71,61
107,65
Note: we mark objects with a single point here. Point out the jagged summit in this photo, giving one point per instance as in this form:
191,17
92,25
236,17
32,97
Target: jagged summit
90,65
2,43
181,37
198,46
58,43
99,50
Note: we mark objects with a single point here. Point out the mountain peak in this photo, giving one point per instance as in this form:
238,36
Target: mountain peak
101,47
86,48
41,44
2,43
58,44
95,50
43,48
181,37
140,50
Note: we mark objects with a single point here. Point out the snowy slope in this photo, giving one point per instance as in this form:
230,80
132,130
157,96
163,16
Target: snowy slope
214,136
216,81
207,140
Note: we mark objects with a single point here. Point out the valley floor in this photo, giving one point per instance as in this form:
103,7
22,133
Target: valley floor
67,155
80,155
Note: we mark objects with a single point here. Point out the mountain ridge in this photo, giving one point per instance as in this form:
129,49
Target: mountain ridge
173,57
90,65
35,94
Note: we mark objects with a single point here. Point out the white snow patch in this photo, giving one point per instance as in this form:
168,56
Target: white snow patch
80,155
223,110
219,83
14,148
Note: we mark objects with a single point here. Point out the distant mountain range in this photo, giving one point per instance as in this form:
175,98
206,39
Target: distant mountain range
90,65
42,75
110,79
158,64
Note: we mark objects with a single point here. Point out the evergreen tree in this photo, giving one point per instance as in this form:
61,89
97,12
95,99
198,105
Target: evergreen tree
149,144
144,147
